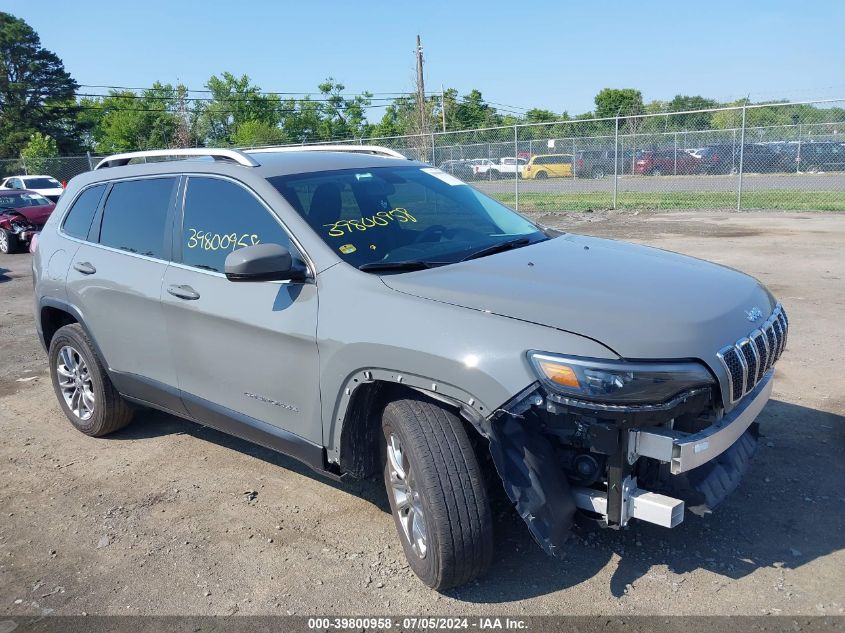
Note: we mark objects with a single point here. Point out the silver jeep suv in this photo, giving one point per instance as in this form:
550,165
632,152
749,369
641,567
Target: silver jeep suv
363,312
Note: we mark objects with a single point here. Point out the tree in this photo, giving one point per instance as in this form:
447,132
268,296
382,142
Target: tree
234,100
692,121
473,112
37,152
254,133
612,102
342,118
126,121
36,92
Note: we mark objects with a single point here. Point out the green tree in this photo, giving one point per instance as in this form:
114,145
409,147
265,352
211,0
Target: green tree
124,120
341,117
37,152
36,92
473,112
234,100
693,120
611,102
254,133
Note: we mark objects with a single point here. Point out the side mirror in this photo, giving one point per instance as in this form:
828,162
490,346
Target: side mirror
262,262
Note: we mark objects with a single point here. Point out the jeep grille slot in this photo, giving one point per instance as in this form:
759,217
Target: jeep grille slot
748,360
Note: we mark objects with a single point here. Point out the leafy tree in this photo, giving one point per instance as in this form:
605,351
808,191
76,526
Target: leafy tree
234,100
341,117
538,115
125,121
37,152
254,133
473,112
692,121
612,102
36,93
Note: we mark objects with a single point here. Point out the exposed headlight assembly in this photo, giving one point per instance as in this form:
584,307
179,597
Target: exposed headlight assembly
618,382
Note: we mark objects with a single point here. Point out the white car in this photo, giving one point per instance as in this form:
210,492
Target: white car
47,186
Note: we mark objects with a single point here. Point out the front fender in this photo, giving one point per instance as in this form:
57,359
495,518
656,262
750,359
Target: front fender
471,357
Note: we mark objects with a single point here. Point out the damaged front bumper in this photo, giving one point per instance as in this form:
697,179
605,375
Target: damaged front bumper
648,463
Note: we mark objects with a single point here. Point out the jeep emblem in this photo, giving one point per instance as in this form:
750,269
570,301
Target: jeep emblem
754,314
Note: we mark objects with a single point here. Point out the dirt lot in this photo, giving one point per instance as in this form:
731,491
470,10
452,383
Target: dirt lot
168,517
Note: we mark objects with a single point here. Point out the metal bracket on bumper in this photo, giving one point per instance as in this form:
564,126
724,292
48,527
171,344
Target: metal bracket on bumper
636,504
685,451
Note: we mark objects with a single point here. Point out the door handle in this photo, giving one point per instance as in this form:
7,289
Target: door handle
183,292
86,268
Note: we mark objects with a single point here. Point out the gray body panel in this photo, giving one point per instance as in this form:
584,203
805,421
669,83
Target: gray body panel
461,330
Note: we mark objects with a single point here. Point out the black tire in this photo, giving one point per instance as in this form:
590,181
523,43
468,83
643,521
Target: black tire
110,412
598,173
541,175
9,242
656,172
449,484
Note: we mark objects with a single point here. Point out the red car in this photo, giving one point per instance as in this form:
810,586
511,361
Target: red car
662,162
22,214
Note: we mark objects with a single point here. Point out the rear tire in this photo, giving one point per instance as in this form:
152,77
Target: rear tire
434,482
83,388
541,175
598,173
656,172
9,242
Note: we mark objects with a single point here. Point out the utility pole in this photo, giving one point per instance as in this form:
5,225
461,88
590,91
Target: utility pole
421,89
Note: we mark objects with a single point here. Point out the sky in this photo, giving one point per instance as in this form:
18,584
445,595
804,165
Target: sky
521,54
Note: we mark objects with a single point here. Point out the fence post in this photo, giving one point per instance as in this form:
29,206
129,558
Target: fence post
676,154
573,158
516,166
432,150
90,162
798,156
616,161
741,158
23,162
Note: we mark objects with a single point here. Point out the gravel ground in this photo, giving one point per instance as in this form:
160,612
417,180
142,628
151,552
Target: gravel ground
168,517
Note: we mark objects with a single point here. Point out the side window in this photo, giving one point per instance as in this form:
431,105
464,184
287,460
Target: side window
135,216
78,220
221,217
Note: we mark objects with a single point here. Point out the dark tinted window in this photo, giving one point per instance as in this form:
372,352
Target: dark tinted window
42,183
78,220
221,217
135,215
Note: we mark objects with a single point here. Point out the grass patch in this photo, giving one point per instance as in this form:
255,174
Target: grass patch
770,199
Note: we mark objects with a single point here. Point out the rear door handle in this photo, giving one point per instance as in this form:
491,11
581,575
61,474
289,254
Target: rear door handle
183,292
86,268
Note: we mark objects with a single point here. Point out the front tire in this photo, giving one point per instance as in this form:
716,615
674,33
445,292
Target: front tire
84,390
9,242
437,493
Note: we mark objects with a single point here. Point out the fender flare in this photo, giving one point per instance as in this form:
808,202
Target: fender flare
471,408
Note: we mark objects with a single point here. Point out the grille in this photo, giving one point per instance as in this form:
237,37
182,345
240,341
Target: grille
748,360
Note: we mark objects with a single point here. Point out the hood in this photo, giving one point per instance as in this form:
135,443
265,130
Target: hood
36,215
641,302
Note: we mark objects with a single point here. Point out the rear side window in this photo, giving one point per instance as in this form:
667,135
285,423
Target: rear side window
221,217
135,216
78,220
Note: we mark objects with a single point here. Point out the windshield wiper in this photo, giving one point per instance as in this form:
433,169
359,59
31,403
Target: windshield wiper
498,248
394,266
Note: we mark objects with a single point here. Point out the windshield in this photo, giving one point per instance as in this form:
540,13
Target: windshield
41,183
23,200
401,214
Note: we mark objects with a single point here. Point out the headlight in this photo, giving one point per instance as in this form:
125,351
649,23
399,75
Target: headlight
618,382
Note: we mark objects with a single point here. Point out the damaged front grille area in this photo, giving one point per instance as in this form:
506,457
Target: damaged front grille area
747,360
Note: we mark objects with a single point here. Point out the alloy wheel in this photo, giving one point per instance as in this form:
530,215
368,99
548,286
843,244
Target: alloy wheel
75,382
406,498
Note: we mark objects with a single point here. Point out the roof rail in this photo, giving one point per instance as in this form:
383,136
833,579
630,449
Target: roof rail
376,150
233,155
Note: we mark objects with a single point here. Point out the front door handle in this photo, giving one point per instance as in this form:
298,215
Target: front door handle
183,292
86,268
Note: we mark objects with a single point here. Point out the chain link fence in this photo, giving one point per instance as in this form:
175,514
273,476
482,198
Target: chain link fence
773,156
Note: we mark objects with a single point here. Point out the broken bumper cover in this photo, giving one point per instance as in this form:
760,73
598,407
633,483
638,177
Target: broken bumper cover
687,451
696,470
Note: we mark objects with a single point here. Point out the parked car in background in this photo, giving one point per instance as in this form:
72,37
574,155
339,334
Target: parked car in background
761,158
719,159
756,157
22,214
459,168
665,161
544,166
47,186
493,170
821,156
595,163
